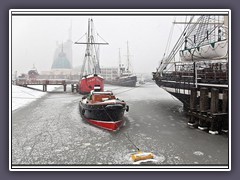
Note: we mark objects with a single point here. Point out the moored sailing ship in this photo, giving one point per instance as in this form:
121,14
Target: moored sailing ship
125,76
89,77
202,69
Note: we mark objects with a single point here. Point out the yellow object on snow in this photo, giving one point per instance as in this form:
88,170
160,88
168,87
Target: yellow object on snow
142,156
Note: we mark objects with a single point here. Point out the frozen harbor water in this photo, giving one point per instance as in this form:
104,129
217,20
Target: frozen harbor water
50,131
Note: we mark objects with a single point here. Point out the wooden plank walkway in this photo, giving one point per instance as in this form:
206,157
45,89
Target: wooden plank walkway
45,82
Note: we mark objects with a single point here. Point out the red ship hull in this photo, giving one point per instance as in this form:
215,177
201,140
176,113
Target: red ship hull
87,83
111,126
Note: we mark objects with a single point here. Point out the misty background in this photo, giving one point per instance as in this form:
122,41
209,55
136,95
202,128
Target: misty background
35,38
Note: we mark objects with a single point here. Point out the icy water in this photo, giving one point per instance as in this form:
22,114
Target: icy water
50,131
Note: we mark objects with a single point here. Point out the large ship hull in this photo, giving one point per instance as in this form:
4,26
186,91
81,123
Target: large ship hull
179,84
129,81
108,119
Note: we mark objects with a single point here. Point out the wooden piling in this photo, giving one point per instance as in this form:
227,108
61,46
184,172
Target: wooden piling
214,120
204,107
193,106
203,100
44,87
225,110
214,100
193,98
225,101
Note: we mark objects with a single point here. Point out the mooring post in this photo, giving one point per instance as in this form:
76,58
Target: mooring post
225,110
72,86
204,106
214,121
193,106
44,88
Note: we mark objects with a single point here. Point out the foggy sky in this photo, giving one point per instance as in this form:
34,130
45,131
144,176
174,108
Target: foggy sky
34,40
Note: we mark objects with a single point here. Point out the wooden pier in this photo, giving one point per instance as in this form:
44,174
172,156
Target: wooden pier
45,83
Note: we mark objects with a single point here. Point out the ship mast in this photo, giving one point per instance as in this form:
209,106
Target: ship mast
89,58
120,63
127,58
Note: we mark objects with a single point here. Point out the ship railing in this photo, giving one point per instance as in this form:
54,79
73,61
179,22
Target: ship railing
213,76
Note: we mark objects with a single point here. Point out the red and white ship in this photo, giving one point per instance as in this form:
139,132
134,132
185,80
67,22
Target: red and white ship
87,83
89,75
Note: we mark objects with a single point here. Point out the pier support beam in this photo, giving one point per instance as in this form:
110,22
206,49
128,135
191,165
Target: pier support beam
44,87
74,87
215,123
225,110
204,106
193,107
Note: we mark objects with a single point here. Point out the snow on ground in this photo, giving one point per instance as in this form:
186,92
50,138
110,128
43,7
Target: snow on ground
22,96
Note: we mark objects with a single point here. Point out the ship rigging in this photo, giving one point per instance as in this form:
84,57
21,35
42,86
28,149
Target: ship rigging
199,79
89,76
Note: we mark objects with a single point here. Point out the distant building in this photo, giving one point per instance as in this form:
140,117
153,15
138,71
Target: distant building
71,74
61,61
63,54
109,73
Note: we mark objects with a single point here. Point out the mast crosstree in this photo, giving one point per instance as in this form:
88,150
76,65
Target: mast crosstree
91,57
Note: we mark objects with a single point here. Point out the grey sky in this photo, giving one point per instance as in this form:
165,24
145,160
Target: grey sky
34,39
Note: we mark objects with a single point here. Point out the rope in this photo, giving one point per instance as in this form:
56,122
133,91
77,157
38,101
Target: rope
128,138
81,37
125,91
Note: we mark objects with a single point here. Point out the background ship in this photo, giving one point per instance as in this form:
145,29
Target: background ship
125,76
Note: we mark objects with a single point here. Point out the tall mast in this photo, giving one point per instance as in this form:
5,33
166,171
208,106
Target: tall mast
86,57
88,45
119,61
89,58
127,57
